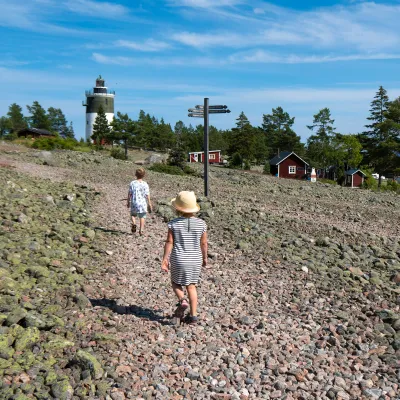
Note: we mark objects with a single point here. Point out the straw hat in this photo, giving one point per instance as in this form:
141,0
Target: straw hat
185,202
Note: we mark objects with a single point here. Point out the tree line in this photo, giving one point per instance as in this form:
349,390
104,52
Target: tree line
377,148
52,120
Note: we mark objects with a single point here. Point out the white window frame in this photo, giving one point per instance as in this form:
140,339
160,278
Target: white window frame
211,156
291,170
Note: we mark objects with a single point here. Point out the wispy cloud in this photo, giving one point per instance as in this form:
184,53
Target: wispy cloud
112,60
97,9
264,57
149,45
205,3
364,27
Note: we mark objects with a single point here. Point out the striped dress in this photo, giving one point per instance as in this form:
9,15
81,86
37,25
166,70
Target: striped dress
186,258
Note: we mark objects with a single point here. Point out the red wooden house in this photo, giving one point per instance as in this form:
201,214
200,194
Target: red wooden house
354,178
288,164
214,156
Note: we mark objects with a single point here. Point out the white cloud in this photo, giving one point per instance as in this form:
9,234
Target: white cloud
264,57
149,45
205,3
97,9
365,27
117,60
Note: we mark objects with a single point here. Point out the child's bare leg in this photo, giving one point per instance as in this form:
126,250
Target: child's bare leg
192,293
141,222
133,220
178,290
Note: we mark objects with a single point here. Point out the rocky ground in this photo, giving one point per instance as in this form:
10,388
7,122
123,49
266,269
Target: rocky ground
302,299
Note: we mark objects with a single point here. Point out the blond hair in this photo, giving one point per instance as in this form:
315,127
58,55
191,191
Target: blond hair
140,173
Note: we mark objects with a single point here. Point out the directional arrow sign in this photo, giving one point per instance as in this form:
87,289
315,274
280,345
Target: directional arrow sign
196,115
194,110
199,107
219,111
217,107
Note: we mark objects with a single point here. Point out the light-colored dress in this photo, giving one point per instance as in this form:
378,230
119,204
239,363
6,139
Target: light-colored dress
138,192
186,257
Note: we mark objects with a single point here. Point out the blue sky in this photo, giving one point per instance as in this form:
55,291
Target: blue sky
164,56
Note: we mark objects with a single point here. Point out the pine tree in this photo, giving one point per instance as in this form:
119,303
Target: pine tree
16,119
5,125
70,131
58,122
38,119
380,140
319,146
101,128
122,129
279,134
243,140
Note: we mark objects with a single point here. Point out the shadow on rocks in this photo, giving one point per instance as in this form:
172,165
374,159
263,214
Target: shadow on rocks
112,231
137,311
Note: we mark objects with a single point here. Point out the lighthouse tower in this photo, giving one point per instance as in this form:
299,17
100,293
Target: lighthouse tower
98,96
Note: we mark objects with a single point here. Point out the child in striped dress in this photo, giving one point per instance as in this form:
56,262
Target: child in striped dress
185,252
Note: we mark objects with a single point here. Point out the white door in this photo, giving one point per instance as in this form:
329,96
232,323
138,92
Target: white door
196,157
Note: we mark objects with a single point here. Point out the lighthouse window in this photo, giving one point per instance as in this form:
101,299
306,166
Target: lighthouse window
292,169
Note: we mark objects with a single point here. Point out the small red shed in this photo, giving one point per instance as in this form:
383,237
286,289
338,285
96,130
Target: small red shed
287,164
354,178
214,156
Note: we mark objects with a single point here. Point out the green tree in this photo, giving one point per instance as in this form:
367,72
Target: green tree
320,150
122,129
70,131
16,119
58,122
164,137
38,119
5,126
101,128
279,134
243,140
381,140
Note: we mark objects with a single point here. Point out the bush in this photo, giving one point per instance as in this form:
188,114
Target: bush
118,153
190,171
391,186
52,143
330,181
267,168
247,165
166,169
236,161
177,157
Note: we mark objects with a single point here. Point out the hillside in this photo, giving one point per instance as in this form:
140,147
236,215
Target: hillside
301,300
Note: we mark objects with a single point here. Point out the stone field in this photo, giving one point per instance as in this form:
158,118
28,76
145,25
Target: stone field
301,299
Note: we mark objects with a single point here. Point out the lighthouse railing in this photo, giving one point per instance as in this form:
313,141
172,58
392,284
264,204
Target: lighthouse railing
92,93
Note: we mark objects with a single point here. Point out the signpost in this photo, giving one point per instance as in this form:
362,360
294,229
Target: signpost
203,111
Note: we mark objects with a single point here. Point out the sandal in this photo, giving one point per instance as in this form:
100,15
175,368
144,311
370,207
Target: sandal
191,319
179,313
133,228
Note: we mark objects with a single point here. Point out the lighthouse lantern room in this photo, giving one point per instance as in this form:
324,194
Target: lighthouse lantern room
98,96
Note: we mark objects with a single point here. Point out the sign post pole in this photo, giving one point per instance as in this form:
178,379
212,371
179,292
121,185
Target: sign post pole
206,147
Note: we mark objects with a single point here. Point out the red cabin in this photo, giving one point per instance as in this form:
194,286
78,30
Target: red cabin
288,164
214,156
354,178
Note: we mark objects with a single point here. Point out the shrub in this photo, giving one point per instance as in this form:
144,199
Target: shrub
166,169
190,171
177,157
330,181
247,165
118,153
236,161
267,169
391,186
52,143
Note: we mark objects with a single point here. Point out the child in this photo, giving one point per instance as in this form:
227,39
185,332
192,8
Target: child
138,200
187,245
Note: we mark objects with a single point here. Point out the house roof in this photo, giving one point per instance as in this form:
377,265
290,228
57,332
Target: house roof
43,132
200,152
354,171
283,155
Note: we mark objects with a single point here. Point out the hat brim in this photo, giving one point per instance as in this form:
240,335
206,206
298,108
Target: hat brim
185,210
